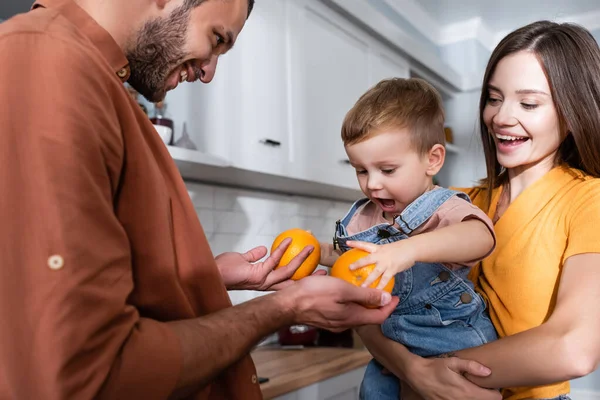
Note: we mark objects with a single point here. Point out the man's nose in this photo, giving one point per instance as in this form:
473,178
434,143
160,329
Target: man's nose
209,69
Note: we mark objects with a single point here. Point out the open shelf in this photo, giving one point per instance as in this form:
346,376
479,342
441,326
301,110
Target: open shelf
200,167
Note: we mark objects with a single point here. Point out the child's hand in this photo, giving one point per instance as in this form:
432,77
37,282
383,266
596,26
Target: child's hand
389,259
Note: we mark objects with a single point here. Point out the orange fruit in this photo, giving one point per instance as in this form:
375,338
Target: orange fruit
341,269
300,239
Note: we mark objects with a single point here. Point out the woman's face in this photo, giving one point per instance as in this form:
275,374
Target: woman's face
520,114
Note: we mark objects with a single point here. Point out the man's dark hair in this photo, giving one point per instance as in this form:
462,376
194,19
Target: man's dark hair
195,3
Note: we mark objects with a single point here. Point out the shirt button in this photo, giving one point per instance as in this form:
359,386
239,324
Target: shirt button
444,276
254,378
466,298
56,262
428,306
122,73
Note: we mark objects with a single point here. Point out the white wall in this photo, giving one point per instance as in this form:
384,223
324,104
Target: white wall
238,220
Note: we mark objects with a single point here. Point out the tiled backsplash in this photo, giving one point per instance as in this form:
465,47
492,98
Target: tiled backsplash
238,220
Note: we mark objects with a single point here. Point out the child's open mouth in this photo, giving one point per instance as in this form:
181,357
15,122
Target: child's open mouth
387,205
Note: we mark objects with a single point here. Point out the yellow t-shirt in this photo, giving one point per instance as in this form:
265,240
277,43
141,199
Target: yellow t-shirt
556,217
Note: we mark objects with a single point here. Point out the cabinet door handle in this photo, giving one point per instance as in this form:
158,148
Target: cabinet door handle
345,161
271,142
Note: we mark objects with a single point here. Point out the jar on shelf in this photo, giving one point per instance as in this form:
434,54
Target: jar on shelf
163,125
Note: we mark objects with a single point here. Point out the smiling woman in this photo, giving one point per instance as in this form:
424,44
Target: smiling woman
520,115
540,128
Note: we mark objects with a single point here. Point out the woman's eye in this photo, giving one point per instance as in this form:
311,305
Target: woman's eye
388,171
528,106
493,101
361,172
219,39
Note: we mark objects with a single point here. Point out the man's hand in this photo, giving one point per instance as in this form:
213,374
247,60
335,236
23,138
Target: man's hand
243,272
389,259
333,304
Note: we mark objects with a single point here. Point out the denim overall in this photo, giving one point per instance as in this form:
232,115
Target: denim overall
439,310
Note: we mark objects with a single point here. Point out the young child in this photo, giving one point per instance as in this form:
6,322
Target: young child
425,237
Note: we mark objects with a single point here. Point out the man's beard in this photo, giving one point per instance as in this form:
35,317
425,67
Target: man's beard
158,49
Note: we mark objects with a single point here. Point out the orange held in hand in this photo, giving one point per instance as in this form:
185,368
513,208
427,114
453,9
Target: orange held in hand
300,239
341,269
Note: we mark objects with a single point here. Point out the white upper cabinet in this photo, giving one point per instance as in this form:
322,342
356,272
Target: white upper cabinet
260,91
329,70
278,99
384,65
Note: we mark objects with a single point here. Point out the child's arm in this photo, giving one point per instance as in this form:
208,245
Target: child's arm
458,243
328,254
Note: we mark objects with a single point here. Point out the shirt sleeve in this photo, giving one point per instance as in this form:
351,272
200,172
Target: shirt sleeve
583,220
67,329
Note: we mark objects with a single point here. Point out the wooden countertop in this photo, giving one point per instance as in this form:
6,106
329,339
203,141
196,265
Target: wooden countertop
290,370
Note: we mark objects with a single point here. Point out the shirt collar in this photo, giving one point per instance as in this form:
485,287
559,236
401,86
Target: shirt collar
93,31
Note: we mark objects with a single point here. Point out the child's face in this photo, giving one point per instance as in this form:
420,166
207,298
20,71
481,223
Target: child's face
389,169
520,114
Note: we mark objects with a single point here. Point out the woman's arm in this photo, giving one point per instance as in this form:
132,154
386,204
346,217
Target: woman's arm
566,347
431,378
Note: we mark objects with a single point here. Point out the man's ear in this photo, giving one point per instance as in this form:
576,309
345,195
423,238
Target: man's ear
435,159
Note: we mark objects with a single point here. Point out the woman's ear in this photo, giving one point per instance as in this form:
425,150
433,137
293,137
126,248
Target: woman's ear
435,158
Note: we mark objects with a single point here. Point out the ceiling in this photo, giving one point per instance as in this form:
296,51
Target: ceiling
506,14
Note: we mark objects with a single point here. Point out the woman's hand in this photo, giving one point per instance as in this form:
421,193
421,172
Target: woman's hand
442,379
432,379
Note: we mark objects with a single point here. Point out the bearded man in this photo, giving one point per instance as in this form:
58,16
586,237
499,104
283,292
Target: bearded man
108,287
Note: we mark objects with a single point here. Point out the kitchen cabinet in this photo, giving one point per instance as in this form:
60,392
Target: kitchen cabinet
259,115
332,64
242,115
278,100
341,387
330,70
384,65
313,373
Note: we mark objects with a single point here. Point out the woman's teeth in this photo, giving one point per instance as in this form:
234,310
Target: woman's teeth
183,76
506,137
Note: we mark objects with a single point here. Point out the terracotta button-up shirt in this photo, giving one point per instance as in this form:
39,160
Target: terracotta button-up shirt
99,241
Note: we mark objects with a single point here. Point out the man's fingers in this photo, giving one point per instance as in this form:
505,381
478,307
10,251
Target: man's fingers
278,252
469,367
373,316
285,272
300,257
365,296
255,254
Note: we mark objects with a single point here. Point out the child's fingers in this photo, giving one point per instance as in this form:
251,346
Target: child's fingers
385,278
366,246
363,262
372,277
